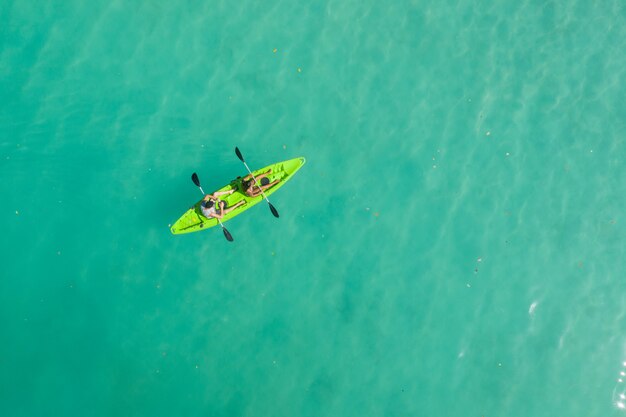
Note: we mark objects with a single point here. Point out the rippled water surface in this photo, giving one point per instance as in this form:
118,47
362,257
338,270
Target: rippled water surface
454,245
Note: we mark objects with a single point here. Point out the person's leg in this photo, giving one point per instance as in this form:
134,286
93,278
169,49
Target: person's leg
271,184
219,193
229,209
262,175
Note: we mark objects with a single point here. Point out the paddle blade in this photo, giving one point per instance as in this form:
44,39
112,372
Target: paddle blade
229,237
273,209
239,154
195,179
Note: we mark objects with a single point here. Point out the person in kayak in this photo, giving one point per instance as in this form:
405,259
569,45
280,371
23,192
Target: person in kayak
252,189
212,207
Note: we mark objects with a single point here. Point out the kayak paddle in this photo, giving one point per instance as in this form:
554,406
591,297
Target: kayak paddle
196,180
272,208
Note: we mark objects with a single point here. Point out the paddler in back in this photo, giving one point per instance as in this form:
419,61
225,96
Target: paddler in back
212,207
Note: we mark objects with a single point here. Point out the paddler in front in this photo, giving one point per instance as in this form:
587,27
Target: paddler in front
210,201
252,189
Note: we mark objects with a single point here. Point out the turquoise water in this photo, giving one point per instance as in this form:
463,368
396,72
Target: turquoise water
454,245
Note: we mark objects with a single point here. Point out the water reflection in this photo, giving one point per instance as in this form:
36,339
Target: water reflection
620,399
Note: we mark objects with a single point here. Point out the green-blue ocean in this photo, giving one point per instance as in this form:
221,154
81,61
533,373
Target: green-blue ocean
453,246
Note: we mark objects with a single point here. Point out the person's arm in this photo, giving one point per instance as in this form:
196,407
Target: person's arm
219,215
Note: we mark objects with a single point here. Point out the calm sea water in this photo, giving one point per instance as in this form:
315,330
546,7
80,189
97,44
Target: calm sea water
454,245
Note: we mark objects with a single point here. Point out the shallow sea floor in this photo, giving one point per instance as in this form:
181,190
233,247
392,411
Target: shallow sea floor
454,245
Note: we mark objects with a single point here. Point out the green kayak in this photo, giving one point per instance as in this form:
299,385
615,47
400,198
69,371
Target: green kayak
194,221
